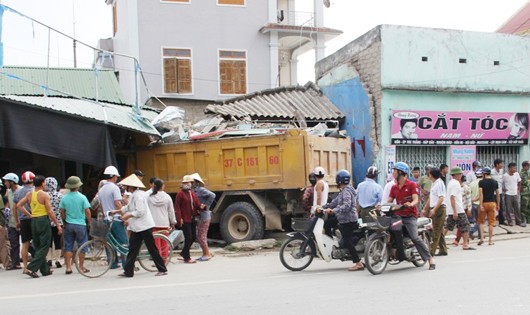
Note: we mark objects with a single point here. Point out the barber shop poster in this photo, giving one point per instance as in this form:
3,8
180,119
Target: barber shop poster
463,156
458,128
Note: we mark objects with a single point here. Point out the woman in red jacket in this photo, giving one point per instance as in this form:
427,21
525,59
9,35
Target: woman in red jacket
187,206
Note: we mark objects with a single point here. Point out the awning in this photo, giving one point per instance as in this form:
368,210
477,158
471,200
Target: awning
70,129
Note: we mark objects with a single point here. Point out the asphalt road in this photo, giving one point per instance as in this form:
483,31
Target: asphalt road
491,280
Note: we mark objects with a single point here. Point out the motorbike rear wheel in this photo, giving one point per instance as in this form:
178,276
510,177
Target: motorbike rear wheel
376,256
293,257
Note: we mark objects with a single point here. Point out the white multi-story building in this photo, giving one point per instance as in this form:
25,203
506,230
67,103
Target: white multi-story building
197,51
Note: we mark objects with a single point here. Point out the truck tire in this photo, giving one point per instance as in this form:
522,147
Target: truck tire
242,221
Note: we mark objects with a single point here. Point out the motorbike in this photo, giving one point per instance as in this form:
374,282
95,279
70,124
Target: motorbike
309,241
380,249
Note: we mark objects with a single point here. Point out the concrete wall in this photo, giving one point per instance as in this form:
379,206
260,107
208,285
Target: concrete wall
204,27
404,46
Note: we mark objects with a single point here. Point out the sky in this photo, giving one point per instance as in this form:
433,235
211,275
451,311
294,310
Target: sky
26,43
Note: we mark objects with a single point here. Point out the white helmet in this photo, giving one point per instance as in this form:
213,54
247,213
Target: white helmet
111,170
12,177
372,171
319,171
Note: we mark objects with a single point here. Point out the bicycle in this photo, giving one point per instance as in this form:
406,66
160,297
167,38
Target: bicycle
100,251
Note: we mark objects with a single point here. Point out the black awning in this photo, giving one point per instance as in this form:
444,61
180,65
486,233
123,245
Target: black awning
56,135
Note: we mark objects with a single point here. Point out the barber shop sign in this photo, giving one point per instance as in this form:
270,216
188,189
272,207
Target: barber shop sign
459,128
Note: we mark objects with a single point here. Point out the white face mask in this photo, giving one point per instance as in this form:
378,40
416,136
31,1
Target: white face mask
186,186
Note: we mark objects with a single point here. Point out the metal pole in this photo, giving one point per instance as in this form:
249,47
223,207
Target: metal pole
48,66
73,25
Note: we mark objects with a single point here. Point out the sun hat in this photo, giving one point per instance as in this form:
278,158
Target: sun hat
456,170
132,181
73,182
187,179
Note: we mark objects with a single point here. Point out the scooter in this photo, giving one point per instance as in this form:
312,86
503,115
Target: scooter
381,250
309,241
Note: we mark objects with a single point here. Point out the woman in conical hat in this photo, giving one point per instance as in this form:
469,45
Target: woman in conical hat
140,223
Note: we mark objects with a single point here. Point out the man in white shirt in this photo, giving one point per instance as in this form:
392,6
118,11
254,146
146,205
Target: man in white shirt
471,176
437,212
496,174
456,215
512,189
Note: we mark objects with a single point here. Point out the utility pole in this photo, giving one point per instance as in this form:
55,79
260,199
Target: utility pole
74,41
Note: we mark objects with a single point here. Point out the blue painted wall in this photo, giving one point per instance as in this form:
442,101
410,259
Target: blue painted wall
348,94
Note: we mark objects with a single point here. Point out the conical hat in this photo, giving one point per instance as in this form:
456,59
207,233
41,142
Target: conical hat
196,176
132,181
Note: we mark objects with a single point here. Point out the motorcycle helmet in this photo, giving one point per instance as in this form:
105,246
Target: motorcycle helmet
312,178
401,166
12,177
372,172
319,171
27,177
486,170
111,171
479,172
342,177
477,163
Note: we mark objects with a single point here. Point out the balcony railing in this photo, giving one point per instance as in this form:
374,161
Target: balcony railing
296,18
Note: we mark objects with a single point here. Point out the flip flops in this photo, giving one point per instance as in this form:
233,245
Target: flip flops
32,274
158,274
469,248
204,258
356,268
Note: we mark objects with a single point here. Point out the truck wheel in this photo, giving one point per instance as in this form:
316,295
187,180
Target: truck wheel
241,221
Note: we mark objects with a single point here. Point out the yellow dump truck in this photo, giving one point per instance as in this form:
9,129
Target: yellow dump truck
258,180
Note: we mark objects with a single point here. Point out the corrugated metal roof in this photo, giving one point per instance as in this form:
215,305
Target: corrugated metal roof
110,114
281,102
81,83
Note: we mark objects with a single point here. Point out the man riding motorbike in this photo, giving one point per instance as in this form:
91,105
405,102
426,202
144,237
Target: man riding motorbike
344,208
405,192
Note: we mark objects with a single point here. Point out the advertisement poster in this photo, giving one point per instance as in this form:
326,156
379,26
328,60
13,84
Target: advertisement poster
390,159
463,156
459,128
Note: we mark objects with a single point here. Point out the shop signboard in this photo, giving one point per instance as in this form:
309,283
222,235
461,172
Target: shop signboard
410,127
463,156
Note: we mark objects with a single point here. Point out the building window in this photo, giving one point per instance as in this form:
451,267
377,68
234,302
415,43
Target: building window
177,70
233,72
231,2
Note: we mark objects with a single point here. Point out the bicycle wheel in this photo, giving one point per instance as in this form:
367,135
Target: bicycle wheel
98,258
144,258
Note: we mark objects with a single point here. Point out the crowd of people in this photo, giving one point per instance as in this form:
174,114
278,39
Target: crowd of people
485,196
50,222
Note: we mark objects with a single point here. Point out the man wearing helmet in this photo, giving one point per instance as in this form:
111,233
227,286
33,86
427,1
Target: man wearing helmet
405,192
11,183
320,196
110,199
344,208
24,216
369,193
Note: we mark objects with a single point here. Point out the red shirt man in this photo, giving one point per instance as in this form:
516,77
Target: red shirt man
405,195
